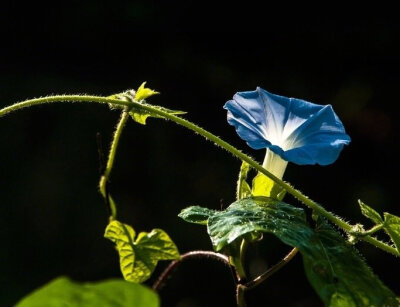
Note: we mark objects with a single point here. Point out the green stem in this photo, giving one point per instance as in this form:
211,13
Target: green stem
62,98
236,256
114,144
219,142
189,255
369,232
240,289
110,162
258,280
236,261
243,248
244,170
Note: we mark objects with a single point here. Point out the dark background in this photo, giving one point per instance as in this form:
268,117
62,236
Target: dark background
52,217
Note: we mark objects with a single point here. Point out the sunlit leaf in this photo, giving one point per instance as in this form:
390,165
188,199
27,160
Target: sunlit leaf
139,258
392,227
139,115
334,267
144,92
63,292
370,213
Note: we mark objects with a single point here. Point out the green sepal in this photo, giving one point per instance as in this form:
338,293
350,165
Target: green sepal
138,258
114,292
370,213
243,189
392,228
264,186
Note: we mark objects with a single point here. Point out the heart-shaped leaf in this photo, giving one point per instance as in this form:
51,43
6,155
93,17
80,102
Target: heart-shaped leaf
139,258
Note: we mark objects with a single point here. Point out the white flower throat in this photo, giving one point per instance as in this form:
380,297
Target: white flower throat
274,163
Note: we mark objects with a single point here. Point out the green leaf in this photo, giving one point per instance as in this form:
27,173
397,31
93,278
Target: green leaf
335,269
392,227
264,186
370,213
338,273
139,116
114,292
196,215
250,215
144,92
139,258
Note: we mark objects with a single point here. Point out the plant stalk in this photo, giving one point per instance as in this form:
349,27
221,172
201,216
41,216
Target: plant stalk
110,163
318,209
189,255
258,280
240,289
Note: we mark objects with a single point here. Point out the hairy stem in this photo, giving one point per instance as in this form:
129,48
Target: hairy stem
318,209
62,98
369,232
110,162
258,280
115,141
242,288
241,183
190,255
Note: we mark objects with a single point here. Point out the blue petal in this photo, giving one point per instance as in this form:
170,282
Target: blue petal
245,117
299,131
320,139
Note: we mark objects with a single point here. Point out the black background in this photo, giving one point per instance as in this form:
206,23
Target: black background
52,217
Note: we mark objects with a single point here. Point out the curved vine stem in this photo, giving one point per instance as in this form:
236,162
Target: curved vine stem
242,288
240,301
63,98
190,255
110,162
318,209
258,280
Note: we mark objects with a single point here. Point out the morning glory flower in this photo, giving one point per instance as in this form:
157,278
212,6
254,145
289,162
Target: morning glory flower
290,129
